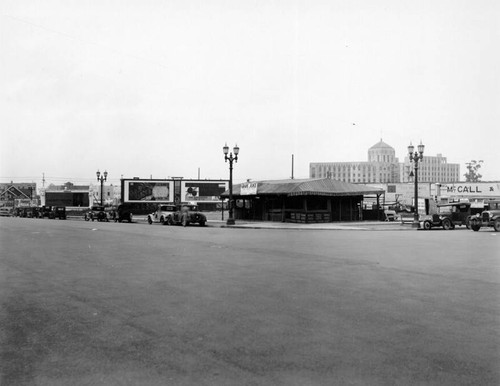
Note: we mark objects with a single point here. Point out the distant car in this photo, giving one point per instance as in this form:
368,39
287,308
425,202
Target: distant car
185,215
46,211
34,212
124,212
96,213
5,212
20,212
51,212
59,212
448,217
161,214
489,218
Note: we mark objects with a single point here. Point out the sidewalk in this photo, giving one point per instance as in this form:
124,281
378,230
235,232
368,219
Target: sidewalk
359,225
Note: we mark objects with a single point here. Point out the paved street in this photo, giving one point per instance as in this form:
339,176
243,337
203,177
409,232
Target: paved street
87,303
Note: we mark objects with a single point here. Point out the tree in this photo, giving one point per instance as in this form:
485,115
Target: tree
472,174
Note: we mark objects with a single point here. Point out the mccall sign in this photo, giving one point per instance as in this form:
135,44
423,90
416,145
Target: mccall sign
478,189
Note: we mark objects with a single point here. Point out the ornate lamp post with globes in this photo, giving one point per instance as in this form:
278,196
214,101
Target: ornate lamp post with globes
101,178
230,158
415,158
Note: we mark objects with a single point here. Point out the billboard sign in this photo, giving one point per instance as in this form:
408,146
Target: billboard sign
202,190
148,190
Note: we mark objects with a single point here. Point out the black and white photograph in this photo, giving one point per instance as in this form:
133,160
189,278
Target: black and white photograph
229,192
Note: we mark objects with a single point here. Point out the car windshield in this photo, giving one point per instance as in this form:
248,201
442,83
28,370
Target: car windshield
446,209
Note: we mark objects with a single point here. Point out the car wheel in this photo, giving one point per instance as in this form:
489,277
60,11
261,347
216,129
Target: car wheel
202,223
149,220
427,225
496,225
446,224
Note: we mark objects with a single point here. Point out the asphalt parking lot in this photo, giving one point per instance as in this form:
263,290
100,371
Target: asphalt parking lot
87,303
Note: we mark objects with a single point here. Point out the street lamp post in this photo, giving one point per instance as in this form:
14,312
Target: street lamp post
102,178
415,158
230,158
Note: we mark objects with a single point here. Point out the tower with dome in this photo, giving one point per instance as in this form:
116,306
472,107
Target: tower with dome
384,167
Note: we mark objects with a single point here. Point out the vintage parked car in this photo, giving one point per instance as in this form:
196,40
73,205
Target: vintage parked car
488,218
449,216
161,214
20,212
124,212
96,213
34,212
52,212
45,211
5,212
59,212
186,214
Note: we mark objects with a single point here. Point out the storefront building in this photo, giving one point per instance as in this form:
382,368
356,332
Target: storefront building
304,201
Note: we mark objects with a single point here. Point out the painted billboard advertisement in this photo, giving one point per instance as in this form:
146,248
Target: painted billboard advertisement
203,190
148,190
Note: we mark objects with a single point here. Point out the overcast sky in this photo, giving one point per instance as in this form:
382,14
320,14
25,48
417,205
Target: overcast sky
155,88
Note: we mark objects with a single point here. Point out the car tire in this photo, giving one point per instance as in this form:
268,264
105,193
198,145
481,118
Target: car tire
496,225
447,224
202,223
427,225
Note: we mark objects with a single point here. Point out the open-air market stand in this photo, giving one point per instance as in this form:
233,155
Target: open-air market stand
305,201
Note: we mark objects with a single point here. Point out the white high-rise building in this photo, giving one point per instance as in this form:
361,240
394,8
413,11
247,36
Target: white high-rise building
384,167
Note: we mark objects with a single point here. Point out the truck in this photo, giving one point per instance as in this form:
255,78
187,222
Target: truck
449,216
